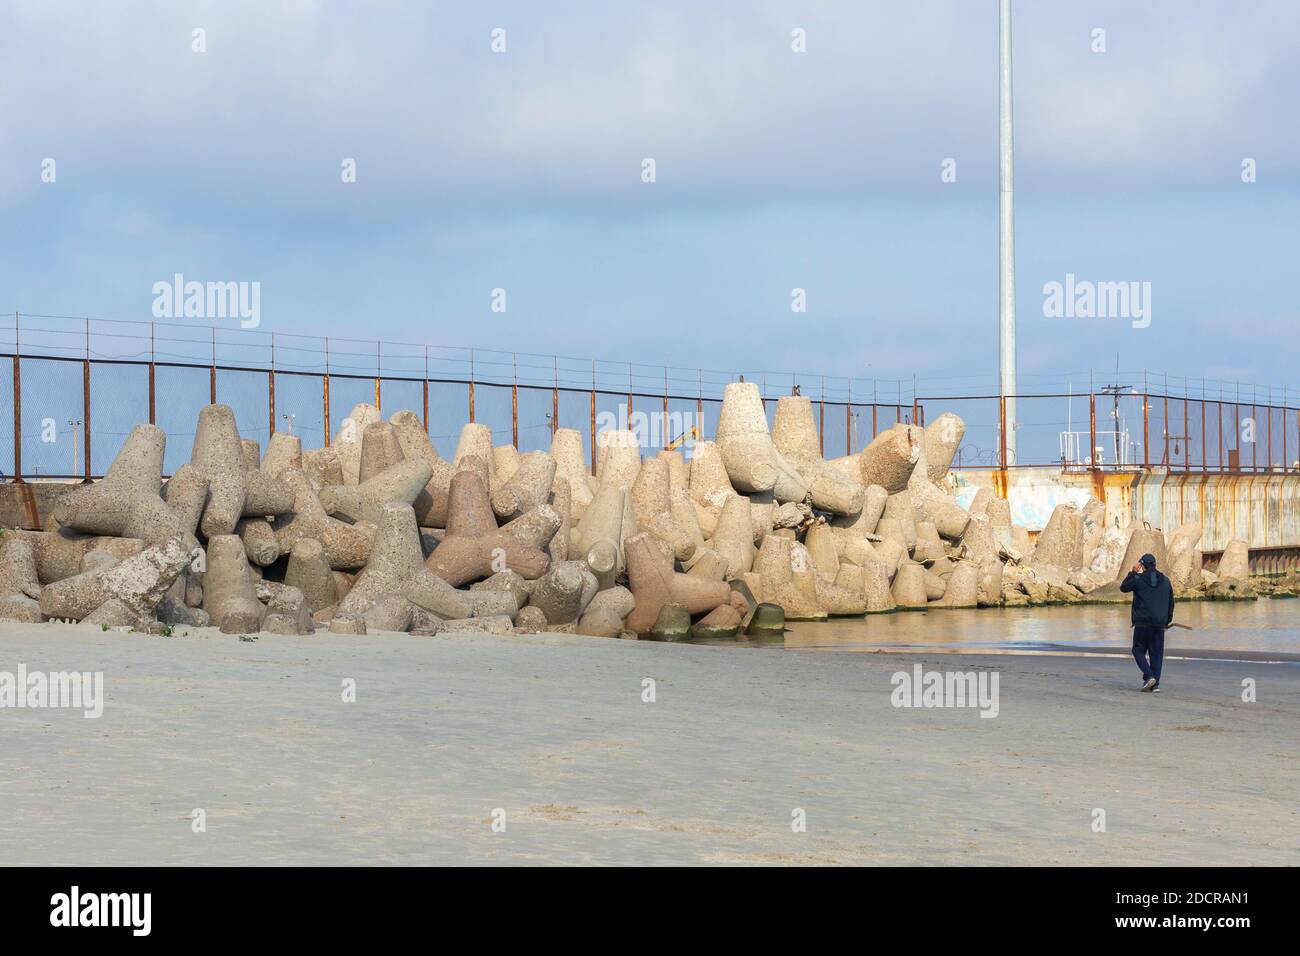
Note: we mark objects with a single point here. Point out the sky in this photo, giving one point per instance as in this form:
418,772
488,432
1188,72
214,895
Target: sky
523,170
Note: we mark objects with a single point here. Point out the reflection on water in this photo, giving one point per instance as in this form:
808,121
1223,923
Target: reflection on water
1271,627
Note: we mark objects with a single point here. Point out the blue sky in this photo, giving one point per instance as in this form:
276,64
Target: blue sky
521,170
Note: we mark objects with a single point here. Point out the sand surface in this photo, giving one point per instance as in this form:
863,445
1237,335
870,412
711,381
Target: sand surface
553,730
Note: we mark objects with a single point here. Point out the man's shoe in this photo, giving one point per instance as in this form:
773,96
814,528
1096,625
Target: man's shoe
1149,685
1156,689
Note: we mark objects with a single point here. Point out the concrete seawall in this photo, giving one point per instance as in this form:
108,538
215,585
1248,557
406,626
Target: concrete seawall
1262,510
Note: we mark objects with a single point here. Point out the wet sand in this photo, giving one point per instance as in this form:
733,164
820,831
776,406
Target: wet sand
553,731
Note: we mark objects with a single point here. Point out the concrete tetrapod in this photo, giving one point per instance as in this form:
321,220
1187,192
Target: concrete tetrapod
652,505
138,583
344,545
20,586
58,554
282,451
431,504
229,591
891,457
475,442
963,588
1182,555
618,457
930,503
654,583
1142,541
708,484
380,450
795,438
1235,562
234,491
347,442
528,486
781,583
564,592
309,571
604,615
1060,544
322,467
505,462
395,558
598,538
473,546
105,506
909,586
942,439
752,461
402,482
571,465
734,536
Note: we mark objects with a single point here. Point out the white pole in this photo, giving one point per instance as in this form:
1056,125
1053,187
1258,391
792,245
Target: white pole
1006,238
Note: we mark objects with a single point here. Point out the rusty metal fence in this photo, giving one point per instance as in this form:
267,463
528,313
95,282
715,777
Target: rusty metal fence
76,387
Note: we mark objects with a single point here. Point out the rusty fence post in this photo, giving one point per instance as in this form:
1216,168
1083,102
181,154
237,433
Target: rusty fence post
379,372
471,387
593,428
325,392
1092,430
425,390
153,419
1165,460
1002,432
1146,431
1219,406
1205,442
555,396
85,417
18,408
1187,434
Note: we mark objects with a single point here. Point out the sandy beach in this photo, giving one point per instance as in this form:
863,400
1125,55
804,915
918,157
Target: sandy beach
447,731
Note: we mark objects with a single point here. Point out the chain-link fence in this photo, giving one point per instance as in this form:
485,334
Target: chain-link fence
72,389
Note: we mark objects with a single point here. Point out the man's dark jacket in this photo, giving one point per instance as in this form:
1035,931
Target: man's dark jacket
1153,598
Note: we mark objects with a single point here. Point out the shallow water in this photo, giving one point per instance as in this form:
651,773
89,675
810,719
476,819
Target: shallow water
1267,628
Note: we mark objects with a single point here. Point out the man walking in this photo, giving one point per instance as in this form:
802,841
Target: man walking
1153,611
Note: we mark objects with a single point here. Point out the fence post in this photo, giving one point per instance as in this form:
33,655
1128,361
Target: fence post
212,371
85,417
1002,431
270,391
1092,430
1146,430
471,386
1254,445
152,390
593,426
1205,439
426,390
18,406
325,392
555,396
1165,460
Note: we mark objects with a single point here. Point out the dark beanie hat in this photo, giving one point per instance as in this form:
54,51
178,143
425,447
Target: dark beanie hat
1148,560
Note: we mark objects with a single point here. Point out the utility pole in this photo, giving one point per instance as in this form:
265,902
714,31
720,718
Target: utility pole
1006,238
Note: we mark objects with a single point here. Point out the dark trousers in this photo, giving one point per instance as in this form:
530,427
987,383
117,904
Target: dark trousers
1149,650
